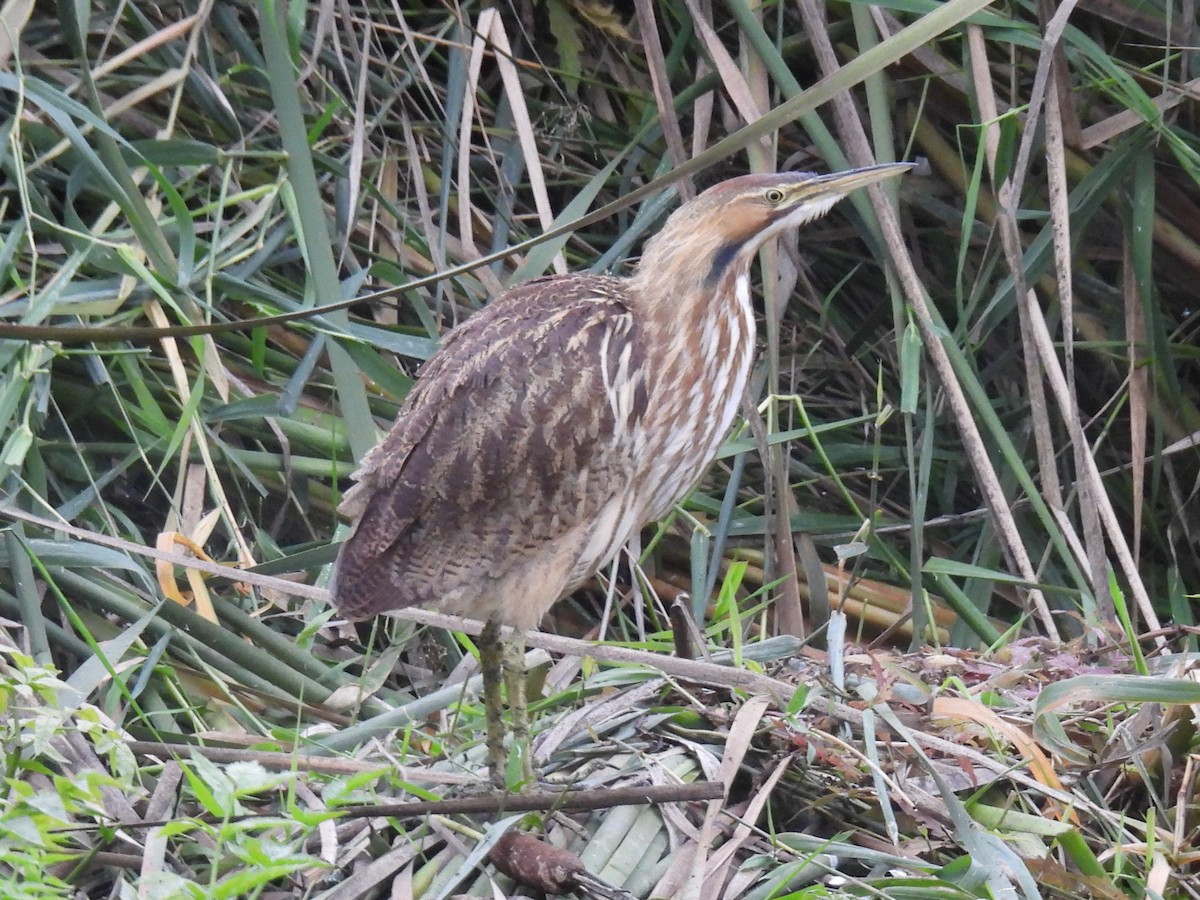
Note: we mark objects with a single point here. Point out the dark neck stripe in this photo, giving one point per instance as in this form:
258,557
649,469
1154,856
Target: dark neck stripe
720,262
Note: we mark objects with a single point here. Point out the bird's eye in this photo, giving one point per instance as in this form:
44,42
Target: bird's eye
774,195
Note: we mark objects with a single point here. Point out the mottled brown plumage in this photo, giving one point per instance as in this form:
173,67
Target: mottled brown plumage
568,413
493,425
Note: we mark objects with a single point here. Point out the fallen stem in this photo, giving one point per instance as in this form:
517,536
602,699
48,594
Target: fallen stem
492,802
545,801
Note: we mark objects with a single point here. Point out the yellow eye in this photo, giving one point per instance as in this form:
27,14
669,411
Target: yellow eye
774,195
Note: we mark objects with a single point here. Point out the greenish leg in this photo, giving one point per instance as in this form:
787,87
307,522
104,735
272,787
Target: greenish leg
514,681
491,656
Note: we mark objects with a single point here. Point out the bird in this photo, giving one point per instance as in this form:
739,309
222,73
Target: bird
555,422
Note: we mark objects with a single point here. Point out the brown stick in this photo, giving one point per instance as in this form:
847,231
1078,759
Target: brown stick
494,802
541,801
284,761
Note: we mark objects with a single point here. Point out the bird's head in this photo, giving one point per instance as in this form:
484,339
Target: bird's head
726,224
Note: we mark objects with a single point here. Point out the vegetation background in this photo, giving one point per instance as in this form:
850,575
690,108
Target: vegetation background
232,231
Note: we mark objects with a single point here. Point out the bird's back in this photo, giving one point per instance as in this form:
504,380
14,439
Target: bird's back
506,478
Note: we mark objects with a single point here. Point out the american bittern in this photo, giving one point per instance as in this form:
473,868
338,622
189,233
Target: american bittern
562,417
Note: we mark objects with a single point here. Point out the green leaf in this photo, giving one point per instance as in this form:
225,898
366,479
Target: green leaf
568,41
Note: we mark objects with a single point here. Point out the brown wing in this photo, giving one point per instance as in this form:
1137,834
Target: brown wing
508,447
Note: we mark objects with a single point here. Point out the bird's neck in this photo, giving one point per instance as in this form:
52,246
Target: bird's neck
686,280
692,302
695,316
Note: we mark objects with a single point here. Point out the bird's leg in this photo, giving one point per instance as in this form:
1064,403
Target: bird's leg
514,681
491,655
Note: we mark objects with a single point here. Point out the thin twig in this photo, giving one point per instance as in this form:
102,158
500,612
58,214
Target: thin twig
285,762
492,802
545,801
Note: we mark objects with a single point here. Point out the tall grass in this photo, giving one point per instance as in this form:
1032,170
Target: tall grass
231,234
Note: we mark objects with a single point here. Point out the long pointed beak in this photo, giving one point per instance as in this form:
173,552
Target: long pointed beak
842,183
